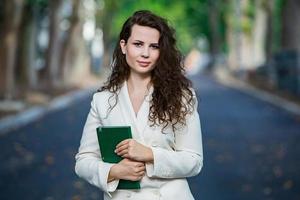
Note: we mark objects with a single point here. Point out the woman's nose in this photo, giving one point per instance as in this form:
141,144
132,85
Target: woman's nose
145,52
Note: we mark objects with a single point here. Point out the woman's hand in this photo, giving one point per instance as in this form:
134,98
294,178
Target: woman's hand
133,150
127,170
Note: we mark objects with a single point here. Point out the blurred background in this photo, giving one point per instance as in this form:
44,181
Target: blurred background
243,57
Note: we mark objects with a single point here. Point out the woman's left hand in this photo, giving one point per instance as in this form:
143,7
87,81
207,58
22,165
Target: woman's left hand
132,149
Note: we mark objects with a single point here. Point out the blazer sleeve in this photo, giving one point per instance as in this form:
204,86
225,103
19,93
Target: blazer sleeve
186,159
89,164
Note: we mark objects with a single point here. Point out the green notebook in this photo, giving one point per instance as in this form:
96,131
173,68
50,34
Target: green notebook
108,138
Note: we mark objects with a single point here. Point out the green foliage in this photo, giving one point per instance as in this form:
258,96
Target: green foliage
197,18
199,13
250,9
245,22
248,18
276,15
223,26
189,18
172,10
40,3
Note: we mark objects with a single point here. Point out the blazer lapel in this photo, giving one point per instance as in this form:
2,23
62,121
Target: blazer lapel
143,114
127,111
138,123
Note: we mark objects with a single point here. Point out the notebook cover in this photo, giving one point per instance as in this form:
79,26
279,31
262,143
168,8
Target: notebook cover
108,138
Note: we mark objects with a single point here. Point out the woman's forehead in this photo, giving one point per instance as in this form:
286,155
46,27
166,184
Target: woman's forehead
144,33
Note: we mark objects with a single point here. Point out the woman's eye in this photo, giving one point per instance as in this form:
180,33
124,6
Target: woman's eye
137,44
155,47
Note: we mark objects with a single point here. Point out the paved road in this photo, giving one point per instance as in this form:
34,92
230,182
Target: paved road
251,148
251,151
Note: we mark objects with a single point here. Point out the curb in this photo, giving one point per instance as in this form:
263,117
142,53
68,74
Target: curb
32,114
226,79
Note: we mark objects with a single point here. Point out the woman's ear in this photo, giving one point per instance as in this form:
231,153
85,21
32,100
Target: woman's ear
122,45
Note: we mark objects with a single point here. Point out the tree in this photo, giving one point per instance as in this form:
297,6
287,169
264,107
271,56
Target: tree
105,19
8,45
290,25
26,72
51,72
68,50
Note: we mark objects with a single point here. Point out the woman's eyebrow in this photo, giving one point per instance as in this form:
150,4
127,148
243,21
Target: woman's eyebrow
138,41
154,43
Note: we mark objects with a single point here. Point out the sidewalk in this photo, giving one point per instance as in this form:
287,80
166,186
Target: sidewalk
227,79
33,113
29,115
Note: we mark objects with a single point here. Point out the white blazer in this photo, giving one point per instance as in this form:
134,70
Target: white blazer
176,155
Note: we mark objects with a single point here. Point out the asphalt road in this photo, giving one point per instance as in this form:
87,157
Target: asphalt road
251,151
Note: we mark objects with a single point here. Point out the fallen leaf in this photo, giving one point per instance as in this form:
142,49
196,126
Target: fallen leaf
288,184
49,159
267,190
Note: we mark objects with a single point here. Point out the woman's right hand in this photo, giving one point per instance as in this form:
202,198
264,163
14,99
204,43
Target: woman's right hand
127,169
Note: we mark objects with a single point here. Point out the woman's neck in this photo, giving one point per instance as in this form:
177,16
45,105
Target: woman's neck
138,83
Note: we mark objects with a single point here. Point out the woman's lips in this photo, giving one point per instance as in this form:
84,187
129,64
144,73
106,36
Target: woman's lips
143,63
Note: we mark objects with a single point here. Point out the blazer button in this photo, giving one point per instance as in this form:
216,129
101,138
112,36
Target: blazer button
154,144
156,192
128,195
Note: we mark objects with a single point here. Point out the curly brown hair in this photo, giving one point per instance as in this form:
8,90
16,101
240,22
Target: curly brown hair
172,98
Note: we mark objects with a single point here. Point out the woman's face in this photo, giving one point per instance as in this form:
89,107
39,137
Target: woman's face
141,49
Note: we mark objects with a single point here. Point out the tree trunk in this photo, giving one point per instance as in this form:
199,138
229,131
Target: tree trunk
234,36
67,47
290,25
31,71
259,34
51,72
107,17
214,18
9,34
269,30
2,56
106,61
27,75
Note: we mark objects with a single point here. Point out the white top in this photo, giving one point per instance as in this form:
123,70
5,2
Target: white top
176,155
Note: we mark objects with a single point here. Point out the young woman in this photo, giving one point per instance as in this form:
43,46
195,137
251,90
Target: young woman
147,91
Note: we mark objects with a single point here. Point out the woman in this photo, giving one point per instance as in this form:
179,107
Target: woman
147,91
